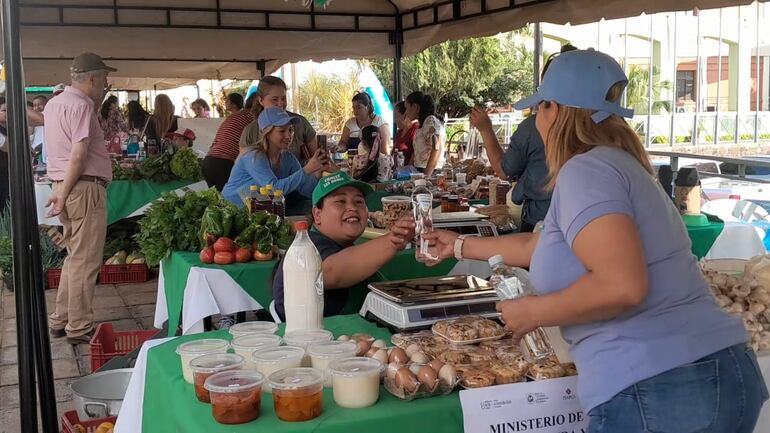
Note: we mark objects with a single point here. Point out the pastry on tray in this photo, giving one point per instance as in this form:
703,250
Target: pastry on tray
478,379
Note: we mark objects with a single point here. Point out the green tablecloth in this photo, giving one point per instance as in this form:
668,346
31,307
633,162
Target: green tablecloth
256,278
124,197
703,237
170,404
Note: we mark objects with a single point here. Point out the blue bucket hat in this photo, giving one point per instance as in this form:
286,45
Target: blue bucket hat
275,116
581,79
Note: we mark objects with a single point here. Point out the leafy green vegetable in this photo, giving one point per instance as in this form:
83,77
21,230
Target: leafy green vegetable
185,165
246,237
228,217
157,168
284,236
264,240
120,237
259,218
119,172
241,220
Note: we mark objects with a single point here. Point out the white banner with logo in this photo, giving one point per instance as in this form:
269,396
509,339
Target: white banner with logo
548,406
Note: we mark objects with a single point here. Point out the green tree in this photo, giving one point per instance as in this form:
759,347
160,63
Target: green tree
637,94
462,74
325,100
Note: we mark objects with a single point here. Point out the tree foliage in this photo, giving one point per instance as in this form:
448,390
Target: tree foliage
637,90
325,100
463,74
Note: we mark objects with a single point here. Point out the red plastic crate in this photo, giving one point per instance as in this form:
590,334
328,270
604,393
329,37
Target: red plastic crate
70,419
117,274
53,276
107,343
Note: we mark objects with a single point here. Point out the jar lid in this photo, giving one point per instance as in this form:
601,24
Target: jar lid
355,367
396,199
216,362
202,347
278,354
333,349
296,378
228,382
306,337
256,341
259,327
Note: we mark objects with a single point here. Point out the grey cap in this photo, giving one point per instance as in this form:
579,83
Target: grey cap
88,62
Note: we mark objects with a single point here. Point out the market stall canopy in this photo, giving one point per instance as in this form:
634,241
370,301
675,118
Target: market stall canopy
194,39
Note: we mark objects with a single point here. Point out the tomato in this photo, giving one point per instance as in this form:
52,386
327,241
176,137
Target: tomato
262,257
224,258
243,255
207,255
223,245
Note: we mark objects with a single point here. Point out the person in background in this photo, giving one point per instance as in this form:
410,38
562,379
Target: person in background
38,103
137,117
407,129
271,92
111,119
79,165
35,120
523,161
430,138
183,138
365,162
201,108
58,89
363,116
339,218
225,149
163,120
234,103
613,268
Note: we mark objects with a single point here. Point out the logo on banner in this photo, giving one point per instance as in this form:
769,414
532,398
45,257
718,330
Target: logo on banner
568,395
494,404
537,398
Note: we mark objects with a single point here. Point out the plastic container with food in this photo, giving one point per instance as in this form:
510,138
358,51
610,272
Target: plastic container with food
396,206
305,338
297,393
246,345
356,381
273,359
236,396
193,349
322,354
207,365
258,327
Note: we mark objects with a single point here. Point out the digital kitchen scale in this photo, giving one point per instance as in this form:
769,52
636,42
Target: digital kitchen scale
419,303
465,223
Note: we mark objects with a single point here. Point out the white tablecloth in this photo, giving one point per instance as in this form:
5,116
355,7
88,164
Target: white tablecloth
738,240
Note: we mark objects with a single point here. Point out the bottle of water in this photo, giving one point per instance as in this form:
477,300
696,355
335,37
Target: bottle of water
422,206
512,283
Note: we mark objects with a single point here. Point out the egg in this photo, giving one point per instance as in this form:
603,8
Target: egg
370,353
436,364
362,336
343,338
448,374
392,369
381,356
427,376
412,349
398,355
419,358
406,380
363,347
415,368
380,344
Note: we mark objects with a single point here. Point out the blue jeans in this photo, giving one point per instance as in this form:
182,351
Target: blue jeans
721,393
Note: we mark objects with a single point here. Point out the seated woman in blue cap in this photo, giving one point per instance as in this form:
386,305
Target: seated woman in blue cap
613,269
339,219
270,162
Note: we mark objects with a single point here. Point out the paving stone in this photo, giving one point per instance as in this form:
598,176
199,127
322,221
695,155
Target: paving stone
83,349
8,325
10,395
125,325
143,310
106,290
65,368
9,421
84,365
63,389
148,286
9,310
60,349
140,298
147,323
8,356
111,313
108,302
8,339
9,375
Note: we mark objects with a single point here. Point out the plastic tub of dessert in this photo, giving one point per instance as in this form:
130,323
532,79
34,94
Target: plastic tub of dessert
412,381
297,393
208,365
322,354
236,396
356,381
246,345
278,358
258,327
193,349
304,338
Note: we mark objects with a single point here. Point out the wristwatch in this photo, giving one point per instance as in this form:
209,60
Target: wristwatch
459,246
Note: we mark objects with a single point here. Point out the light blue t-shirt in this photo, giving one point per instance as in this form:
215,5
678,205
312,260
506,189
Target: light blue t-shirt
253,168
677,324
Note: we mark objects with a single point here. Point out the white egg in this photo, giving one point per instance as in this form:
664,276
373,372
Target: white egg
343,338
415,368
380,344
412,348
392,369
419,358
448,374
381,356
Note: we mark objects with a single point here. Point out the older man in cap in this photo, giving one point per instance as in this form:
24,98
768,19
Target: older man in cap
79,165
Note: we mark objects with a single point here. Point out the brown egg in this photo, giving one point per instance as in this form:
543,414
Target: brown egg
363,347
427,376
436,364
392,369
406,380
370,353
398,355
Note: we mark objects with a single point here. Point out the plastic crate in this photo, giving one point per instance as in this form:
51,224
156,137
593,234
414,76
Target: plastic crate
53,276
70,419
117,274
107,343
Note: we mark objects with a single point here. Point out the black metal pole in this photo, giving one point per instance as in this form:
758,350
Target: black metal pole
398,40
538,54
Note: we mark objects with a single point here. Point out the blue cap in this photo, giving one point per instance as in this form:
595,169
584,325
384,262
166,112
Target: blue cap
275,116
581,79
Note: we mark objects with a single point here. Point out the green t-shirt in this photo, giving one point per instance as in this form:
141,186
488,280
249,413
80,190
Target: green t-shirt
303,133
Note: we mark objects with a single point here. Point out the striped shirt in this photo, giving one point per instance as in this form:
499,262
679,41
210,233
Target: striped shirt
225,145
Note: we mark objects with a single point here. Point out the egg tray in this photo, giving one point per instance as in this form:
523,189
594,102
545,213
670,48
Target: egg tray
442,388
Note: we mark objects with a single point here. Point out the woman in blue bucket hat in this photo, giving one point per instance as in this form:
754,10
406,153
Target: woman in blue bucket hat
613,269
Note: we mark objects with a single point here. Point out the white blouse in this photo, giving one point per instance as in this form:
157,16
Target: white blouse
423,143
